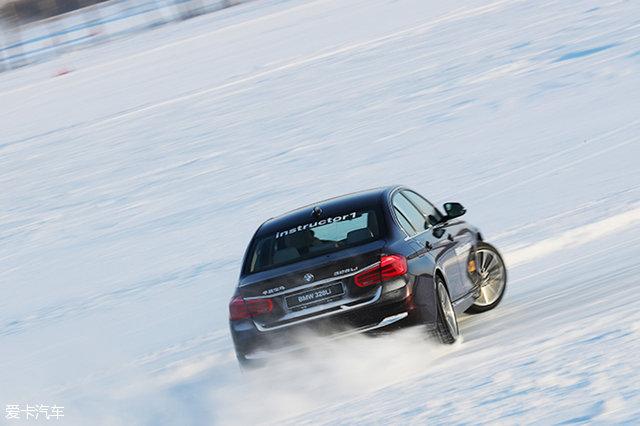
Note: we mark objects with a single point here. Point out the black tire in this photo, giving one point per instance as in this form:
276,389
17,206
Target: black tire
446,330
478,306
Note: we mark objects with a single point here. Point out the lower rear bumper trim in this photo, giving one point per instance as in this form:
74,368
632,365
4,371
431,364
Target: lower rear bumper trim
263,354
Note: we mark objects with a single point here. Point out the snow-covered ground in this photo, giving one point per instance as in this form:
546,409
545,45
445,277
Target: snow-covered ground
44,39
130,187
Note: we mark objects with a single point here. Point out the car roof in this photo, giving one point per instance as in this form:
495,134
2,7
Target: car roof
331,206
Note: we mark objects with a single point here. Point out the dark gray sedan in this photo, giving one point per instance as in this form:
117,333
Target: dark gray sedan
360,262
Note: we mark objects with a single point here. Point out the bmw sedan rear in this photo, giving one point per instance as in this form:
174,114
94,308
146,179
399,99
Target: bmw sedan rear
326,268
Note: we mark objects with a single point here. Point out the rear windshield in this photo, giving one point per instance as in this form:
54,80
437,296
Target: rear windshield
314,238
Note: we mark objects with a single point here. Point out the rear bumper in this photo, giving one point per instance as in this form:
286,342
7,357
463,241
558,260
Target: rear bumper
392,304
262,354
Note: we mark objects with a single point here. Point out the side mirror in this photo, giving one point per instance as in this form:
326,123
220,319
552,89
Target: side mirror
454,210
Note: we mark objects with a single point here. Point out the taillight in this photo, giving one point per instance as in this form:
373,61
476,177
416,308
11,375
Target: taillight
259,306
390,266
369,277
237,309
393,266
244,309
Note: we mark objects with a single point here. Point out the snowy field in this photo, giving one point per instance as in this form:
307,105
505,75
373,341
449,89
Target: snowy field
130,187
45,39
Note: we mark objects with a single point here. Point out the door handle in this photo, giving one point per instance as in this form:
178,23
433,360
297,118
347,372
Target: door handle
438,232
449,237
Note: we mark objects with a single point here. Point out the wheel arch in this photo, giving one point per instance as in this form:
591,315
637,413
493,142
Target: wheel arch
438,273
425,296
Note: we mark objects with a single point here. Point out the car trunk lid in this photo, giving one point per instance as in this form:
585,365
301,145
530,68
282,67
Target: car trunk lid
311,287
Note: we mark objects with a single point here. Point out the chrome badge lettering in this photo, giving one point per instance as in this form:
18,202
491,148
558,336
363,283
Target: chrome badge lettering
345,271
273,290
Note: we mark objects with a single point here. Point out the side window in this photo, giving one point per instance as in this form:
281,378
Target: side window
408,215
404,223
426,208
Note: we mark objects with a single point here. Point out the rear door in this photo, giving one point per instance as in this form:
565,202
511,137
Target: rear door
464,240
436,240
460,238
413,220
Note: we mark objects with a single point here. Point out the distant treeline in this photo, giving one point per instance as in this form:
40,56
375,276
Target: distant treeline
31,10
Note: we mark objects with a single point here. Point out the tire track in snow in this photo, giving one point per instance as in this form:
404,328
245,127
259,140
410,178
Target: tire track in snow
581,146
578,259
179,43
573,238
560,168
81,306
458,14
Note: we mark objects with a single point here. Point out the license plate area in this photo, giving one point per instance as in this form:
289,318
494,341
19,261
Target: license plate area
314,297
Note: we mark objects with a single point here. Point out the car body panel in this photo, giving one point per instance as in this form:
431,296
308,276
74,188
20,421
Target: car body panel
443,248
